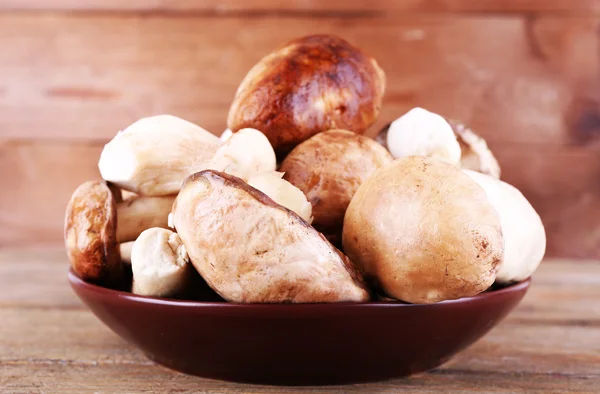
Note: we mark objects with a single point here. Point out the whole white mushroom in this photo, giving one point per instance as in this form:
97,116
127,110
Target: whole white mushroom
423,133
522,228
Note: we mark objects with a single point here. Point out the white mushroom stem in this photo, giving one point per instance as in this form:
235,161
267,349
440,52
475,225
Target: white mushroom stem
155,154
125,251
159,263
140,213
226,135
522,228
246,153
423,133
283,193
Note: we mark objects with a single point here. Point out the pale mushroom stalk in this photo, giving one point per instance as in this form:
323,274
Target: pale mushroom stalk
283,193
246,153
140,213
155,154
125,251
226,135
159,263
522,228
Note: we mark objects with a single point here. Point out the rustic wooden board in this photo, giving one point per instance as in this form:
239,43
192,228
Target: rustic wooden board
87,76
312,6
49,342
37,181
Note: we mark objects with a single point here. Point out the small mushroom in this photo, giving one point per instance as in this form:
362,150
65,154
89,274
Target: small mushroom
328,168
283,193
244,154
523,230
155,154
422,232
97,221
250,249
423,133
312,84
475,155
159,263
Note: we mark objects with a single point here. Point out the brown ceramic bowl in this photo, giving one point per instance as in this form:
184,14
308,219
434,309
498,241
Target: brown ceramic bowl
298,343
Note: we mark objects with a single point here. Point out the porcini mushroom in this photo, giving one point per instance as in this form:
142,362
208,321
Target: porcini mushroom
328,168
423,133
475,154
154,155
244,154
422,231
97,221
283,193
312,84
250,249
159,263
523,230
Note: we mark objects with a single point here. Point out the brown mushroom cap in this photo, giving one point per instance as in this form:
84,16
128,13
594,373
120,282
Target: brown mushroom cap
329,167
90,233
312,84
423,232
250,249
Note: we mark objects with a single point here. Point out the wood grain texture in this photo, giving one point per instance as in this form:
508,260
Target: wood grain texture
37,182
86,77
49,342
312,6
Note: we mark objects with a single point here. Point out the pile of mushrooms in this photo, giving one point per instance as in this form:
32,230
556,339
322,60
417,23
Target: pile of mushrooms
294,204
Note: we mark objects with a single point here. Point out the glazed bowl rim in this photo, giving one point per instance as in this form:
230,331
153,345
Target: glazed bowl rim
76,281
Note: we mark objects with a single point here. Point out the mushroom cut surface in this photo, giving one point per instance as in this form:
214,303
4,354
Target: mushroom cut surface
250,249
312,84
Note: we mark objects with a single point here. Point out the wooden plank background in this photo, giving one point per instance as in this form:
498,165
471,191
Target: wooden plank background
525,74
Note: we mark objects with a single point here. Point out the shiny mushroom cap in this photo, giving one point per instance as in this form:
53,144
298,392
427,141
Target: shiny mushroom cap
90,233
312,84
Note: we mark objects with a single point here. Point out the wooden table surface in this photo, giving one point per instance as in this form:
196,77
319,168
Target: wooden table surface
49,342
